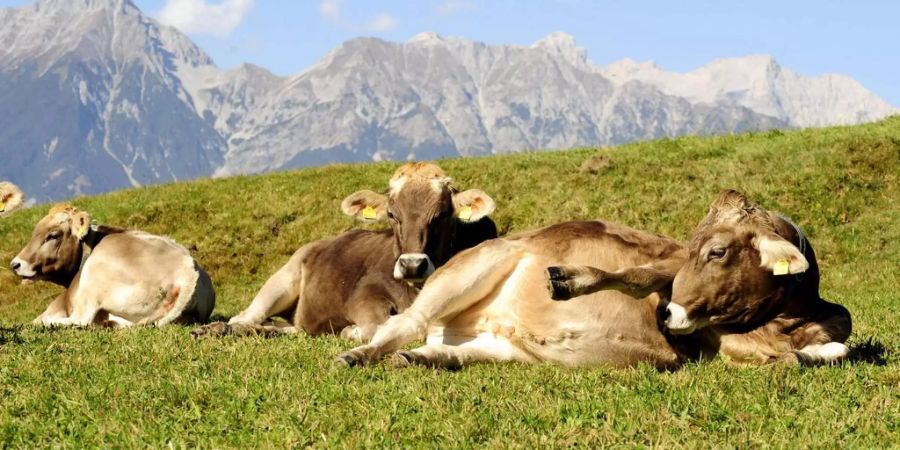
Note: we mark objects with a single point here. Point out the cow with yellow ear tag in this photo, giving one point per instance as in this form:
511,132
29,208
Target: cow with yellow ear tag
354,282
112,276
11,198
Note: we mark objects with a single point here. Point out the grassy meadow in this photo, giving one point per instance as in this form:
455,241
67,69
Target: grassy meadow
153,387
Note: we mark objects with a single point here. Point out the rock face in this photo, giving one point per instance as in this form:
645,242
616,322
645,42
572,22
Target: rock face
95,96
90,100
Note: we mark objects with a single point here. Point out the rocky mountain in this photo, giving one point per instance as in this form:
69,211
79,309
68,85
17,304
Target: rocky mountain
90,100
96,96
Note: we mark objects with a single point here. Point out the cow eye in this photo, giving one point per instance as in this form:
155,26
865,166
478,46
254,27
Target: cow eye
391,216
53,236
716,253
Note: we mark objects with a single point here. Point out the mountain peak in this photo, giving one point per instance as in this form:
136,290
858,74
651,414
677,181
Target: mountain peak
556,40
562,45
426,38
81,5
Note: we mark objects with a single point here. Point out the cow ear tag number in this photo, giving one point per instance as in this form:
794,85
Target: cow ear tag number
782,267
369,213
465,213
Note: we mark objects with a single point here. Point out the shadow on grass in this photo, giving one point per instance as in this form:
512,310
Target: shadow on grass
216,317
868,351
10,335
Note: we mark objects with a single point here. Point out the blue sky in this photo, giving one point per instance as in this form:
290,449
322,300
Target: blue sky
860,38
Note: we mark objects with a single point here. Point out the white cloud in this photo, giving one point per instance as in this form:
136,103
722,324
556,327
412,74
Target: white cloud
333,10
450,7
205,17
382,22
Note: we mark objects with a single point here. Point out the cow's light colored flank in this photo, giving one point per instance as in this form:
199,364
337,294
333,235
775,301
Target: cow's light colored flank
113,276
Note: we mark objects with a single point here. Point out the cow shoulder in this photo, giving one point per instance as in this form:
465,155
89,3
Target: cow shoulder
352,254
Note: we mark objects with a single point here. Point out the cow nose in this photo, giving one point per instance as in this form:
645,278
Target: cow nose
413,267
15,265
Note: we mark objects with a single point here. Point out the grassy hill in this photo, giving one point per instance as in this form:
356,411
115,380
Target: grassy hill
154,387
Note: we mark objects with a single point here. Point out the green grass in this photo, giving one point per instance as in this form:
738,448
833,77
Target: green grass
156,387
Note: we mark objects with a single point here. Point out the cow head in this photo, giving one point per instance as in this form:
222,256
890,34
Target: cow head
55,251
739,267
11,198
424,211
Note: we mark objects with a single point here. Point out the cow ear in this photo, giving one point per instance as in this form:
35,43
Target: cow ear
11,197
472,205
81,224
780,256
366,205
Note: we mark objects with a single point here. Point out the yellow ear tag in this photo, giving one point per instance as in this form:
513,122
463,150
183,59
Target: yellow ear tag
83,231
369,213
782,267
2,207
465,213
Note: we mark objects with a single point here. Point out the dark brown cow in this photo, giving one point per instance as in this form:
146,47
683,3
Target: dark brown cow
354,282
749,289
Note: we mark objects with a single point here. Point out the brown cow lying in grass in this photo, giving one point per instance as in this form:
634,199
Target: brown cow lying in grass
749,289
11,198
352,283
128,278
490,303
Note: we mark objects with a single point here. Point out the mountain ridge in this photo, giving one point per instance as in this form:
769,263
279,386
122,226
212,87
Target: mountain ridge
98,96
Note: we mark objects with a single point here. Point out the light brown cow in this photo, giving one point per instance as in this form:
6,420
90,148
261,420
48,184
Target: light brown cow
11,198
127,278
490,303
354,282
749,289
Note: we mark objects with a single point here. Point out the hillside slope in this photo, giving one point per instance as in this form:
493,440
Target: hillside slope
839,184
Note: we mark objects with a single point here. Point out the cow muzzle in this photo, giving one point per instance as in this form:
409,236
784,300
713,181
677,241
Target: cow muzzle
677,321
413,267
22,268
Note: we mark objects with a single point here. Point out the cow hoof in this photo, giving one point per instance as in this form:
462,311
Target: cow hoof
403,359
345,360
214,329
559,287
352,358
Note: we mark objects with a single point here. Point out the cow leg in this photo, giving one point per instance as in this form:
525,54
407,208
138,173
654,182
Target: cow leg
280,293
266,329
479,350
82,315
367,309
468,279
567,282
818,354
57,310
105,319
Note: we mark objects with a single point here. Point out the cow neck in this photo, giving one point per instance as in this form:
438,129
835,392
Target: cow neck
451,245
95,234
